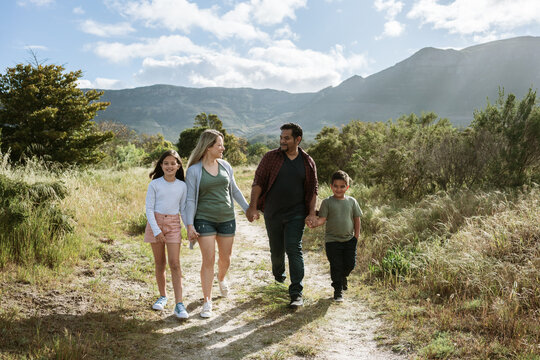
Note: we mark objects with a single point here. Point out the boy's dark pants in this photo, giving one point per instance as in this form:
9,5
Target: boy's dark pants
342,258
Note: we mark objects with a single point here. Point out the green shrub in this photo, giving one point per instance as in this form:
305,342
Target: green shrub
32,226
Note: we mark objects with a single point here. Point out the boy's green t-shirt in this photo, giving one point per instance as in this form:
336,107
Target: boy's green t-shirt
214,200
339,216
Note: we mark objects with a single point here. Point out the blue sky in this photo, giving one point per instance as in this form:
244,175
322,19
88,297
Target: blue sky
291,45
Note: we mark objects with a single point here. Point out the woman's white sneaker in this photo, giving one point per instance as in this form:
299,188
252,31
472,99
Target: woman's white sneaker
224,288
207,309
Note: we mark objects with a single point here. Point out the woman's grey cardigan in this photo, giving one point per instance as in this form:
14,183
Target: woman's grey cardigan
193,179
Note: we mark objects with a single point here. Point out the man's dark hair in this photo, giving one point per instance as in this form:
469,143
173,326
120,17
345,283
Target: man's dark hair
296,129
341,175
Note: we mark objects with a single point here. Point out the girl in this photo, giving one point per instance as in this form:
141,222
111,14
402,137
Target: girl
166,197
210,210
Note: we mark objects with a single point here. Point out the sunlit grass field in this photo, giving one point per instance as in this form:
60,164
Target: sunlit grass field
456,275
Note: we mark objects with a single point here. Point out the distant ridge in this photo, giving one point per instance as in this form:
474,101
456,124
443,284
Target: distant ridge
452,83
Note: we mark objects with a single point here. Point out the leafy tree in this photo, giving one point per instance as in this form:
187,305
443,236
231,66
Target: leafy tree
188,139
517,125
235,147
211,121
154,146
43,113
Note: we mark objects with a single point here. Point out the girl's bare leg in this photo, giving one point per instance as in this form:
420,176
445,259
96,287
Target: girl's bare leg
160,262
173,254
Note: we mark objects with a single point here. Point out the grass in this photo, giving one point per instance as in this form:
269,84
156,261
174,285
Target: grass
455,276
462,264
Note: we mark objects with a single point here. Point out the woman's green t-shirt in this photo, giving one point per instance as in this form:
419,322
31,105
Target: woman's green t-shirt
214,203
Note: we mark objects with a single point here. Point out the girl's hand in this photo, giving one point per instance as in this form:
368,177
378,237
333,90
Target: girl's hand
160,237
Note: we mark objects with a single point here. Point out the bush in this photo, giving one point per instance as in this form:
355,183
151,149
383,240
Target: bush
32,226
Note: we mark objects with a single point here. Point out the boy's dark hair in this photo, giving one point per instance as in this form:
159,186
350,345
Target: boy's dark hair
296,129
341,175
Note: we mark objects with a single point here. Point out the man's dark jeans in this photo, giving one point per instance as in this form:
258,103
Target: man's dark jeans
285,236
342,258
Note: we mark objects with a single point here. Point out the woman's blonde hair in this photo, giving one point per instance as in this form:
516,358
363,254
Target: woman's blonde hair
207,139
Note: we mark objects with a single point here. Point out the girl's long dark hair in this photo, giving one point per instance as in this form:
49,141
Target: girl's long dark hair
158,171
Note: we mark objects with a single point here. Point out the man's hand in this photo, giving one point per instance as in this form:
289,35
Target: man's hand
311,220
252,214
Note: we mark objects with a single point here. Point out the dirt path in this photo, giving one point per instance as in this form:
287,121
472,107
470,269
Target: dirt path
102,311
249,323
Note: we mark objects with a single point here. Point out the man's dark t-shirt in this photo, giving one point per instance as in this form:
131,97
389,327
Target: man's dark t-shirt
285,199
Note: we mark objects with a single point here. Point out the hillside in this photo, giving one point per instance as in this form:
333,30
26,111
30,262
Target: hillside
451,83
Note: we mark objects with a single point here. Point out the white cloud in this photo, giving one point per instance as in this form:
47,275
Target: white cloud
285,32
99,83
84,84
36,47
35,2
181,15
106,30
392,27
392,7
271,12
278,66
78,10
481,18
239,22
163,46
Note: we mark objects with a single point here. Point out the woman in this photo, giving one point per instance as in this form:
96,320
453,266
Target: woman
210,210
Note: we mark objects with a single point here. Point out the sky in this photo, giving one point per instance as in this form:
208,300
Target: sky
290,45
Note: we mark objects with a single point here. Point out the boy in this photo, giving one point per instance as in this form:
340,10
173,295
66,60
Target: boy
342,216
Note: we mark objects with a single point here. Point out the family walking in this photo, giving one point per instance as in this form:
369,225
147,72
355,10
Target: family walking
284,189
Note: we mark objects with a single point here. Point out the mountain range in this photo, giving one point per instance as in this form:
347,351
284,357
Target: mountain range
451,83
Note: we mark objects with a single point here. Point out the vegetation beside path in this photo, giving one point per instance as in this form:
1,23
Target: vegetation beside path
468,289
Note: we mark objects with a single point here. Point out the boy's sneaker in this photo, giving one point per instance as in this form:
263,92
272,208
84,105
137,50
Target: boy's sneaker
224,288
338,298
345,287
207,309
160,303
296,302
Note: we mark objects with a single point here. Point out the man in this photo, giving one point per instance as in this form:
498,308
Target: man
285,190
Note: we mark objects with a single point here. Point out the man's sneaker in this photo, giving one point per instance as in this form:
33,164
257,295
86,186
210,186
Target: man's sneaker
160,303
207,309
296,302
180,311
345,287
224,288
338,298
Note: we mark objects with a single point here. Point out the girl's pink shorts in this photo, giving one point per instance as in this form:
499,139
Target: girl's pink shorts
170,227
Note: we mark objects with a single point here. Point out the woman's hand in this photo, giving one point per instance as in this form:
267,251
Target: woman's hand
192,233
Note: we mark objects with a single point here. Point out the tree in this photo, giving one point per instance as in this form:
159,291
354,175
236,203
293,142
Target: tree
211,121
517,124
43,113
188,139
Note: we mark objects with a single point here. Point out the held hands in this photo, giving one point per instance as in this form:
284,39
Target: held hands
312,221
252,214
192,233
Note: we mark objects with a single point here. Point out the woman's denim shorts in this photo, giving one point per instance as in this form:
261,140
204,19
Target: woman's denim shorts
207,228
